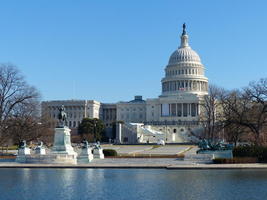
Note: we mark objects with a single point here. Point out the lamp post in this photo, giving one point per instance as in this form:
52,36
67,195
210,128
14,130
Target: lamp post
94,130
166,131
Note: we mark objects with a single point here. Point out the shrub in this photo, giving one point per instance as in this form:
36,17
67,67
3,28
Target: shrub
235,160
259,152
110,152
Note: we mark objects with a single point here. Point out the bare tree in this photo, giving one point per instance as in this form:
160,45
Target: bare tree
211,115
235,133
247,108
15,96
256,92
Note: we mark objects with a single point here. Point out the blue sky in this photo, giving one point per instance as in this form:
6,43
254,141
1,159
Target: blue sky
112,50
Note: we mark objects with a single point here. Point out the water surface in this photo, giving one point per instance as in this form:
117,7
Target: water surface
116,184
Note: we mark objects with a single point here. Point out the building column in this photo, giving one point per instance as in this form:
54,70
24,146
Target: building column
118,133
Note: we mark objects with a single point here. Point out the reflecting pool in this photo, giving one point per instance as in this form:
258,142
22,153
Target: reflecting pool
111,184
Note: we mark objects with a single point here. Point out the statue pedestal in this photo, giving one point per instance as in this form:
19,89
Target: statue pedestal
40,151
22,153
98,153
62,150
218,153
86,155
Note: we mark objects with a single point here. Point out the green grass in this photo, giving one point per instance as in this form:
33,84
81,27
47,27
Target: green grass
14,147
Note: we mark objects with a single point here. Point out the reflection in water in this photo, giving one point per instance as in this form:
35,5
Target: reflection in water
129,184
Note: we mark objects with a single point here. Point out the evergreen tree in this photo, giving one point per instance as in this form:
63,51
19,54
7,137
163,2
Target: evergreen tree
91,129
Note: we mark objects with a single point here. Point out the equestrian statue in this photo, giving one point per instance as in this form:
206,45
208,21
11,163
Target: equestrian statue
62,117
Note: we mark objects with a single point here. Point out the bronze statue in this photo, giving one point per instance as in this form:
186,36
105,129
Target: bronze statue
85,144
184,27
62,117
207,145
22,144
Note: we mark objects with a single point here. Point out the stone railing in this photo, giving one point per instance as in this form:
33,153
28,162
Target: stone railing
162,123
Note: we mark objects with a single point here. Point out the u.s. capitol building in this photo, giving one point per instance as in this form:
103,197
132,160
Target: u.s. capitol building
172,117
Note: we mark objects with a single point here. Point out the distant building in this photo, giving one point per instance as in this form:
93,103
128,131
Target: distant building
133,111
173,116
76,110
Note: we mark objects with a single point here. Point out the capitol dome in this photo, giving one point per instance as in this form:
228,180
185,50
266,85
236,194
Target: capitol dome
184,53
184,72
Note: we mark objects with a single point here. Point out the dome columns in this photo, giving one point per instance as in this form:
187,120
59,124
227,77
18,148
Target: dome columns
185,85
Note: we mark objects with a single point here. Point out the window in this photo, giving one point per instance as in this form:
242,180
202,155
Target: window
174,130
185,109
74,124
165,110
193,110
69,123
173,109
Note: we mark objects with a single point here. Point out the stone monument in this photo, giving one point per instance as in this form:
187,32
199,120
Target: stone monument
40,150
23,151
86,155
215,149
98,151
62,151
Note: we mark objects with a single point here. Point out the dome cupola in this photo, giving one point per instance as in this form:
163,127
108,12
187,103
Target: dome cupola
184,53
